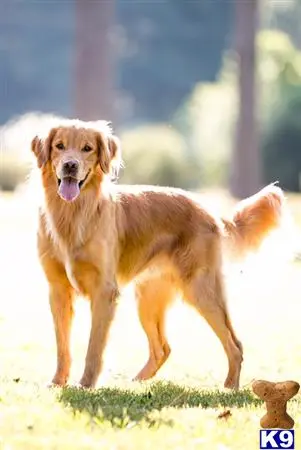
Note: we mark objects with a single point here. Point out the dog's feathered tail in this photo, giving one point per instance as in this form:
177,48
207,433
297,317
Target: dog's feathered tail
253,220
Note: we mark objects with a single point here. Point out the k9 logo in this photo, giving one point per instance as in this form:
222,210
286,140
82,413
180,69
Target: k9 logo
270,439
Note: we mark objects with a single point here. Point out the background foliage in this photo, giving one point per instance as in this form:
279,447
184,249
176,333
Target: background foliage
178,101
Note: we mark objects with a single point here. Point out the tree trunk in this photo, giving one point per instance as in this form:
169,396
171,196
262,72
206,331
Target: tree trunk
246,164
93,60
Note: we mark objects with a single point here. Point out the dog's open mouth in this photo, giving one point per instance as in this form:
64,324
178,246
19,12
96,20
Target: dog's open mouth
69,187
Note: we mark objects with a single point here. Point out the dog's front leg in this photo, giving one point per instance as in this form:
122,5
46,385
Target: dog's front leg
103,306
61,298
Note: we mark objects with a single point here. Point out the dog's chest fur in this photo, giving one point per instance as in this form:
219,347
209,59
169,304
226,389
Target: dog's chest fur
85,260
65,231
83,273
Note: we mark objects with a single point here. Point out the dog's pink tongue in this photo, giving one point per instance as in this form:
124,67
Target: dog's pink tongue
69,189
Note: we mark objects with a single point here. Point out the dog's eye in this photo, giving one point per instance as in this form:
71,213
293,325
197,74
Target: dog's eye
86,148
60,146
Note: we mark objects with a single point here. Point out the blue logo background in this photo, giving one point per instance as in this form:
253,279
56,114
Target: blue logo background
275,439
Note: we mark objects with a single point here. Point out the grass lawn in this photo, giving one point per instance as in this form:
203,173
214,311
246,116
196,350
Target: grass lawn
179,409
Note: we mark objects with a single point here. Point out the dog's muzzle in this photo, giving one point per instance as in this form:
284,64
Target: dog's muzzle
69,184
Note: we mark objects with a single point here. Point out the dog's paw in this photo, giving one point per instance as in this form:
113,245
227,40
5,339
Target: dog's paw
58,381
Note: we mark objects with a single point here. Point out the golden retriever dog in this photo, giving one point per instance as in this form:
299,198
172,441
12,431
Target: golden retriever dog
95,236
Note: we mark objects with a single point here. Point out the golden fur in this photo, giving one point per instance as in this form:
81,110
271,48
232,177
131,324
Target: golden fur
109,235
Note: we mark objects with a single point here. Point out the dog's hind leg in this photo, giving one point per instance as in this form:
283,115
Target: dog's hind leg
206,293
154,296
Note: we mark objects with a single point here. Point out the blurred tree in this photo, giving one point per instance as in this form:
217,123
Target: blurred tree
245,176
94,76
281,136
281,146
167,47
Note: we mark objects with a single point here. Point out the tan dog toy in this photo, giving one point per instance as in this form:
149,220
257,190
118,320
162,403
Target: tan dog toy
276,396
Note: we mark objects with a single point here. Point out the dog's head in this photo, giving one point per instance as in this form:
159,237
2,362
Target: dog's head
75,153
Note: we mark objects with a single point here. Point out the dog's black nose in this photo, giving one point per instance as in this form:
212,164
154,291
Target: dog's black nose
70,168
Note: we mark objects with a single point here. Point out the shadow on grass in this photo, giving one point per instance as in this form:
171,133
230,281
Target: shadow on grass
121,406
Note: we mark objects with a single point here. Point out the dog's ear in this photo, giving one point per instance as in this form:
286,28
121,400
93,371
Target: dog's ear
41,147
115,152
109,155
